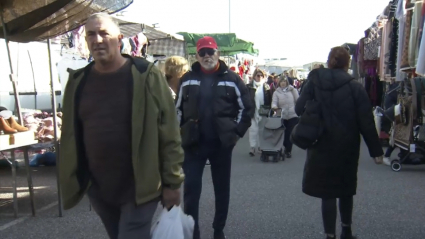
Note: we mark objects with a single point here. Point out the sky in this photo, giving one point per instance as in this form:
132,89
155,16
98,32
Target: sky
302,31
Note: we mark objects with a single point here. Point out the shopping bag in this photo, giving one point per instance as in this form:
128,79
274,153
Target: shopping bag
188,225
173,224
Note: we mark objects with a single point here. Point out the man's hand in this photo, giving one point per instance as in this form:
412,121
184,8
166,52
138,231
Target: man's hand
379,160
170,197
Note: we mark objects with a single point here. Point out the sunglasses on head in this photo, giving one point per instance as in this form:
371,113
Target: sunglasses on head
205,51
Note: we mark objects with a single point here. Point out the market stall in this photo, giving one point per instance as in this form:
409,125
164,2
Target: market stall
228,43
391,58
41,20
140,40
159,43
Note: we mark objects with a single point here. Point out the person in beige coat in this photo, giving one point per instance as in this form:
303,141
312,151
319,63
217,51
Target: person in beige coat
284,98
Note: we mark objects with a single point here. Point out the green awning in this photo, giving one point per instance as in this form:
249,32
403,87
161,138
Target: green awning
228,43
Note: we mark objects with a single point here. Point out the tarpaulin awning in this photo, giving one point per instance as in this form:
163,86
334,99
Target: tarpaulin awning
129,29
161,43
228,43
37,20
167,47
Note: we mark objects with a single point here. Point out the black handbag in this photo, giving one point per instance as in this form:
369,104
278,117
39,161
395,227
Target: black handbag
310,126
264,110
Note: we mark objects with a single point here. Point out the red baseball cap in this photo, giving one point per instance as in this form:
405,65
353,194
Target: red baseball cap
206,42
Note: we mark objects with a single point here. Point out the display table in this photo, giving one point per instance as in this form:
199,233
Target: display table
24,146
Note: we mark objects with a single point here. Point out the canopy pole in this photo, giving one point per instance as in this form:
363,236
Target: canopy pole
33,80
229,16
55,127
11,76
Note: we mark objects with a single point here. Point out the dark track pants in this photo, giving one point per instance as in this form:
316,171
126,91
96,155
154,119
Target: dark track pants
193,166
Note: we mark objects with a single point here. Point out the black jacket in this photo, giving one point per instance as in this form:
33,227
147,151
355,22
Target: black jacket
331,167
232,108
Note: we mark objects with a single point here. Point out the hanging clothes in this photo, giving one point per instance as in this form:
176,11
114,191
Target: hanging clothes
393,48
372,43
375,90
414,34
401,17
384,72
360,58
241,70
137,42
71,40
126,47
354,66
405,66
79,41
420,66
421,27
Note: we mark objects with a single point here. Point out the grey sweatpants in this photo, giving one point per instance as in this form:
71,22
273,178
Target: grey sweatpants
127,221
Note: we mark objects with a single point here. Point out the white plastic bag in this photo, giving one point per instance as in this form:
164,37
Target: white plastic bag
188,225
173,224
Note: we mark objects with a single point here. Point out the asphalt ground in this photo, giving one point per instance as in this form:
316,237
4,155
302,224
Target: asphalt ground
266,203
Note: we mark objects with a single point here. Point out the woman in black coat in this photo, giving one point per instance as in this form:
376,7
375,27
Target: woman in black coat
330,171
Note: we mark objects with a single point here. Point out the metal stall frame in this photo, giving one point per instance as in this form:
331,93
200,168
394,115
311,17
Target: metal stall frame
18,109
11,76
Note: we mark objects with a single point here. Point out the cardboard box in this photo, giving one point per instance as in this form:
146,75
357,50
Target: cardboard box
10,141
5,140
22,138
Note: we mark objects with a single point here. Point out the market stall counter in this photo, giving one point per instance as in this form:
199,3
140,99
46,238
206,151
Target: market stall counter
12,142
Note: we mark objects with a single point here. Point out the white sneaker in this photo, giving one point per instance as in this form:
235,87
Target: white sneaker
387,161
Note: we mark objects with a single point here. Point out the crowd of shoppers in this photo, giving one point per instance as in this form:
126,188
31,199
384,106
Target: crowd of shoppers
128,144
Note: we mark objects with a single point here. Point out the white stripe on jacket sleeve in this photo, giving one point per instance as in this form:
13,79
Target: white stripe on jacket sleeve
179,100
238,94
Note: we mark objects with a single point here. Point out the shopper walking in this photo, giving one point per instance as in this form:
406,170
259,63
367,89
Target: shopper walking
331,168
275,84
261,96
215,110
175,67
284,98
120,137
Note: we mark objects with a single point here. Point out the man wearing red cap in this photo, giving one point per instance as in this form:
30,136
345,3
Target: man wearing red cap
214,109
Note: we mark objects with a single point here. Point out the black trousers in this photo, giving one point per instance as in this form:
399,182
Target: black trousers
389,151
329,213
289,126
221,160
